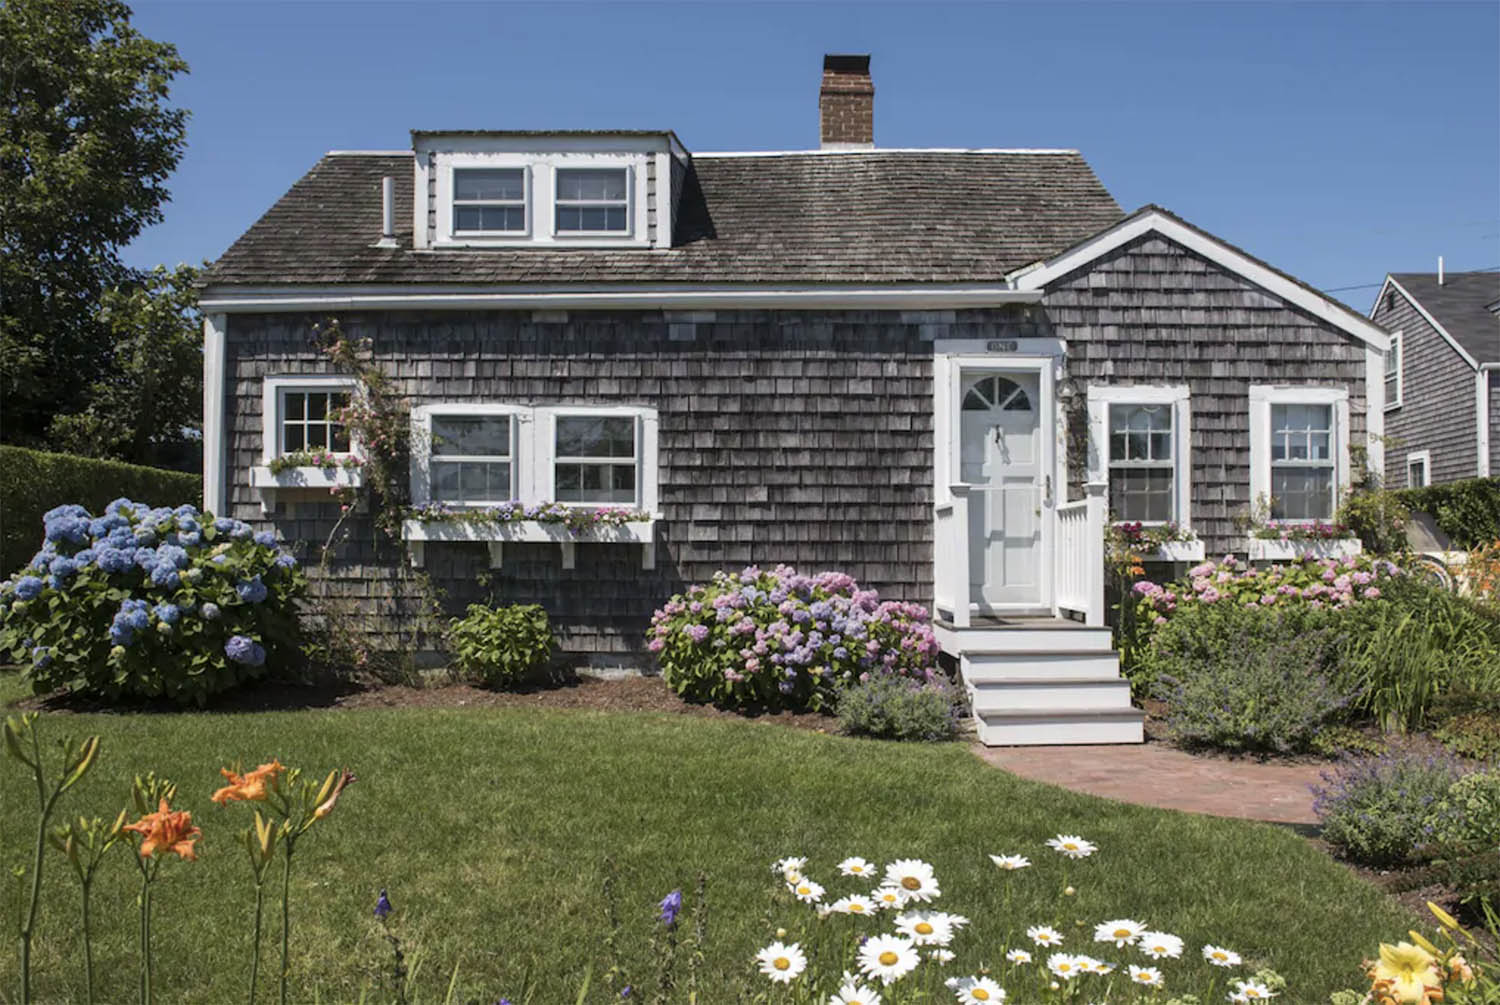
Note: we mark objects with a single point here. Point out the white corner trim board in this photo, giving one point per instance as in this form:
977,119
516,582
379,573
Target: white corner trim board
1375,407
1486,373
214,327
1214,250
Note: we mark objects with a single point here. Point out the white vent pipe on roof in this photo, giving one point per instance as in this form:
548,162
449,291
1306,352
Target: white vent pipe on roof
1440,270
388,209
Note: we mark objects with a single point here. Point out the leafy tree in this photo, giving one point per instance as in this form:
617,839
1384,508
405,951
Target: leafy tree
87,141
148,401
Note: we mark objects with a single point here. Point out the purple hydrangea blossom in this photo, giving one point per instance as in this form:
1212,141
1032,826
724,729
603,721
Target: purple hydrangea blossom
28,587
243,649
252,592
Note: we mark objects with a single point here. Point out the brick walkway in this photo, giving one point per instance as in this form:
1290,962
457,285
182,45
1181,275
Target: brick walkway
1154,774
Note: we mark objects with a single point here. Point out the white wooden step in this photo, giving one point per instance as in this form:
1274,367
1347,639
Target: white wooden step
1070,639
1102,693
984,666
1045,727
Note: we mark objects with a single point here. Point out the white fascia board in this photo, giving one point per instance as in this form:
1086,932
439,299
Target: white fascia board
1216,251
271,299
837,151
1417,306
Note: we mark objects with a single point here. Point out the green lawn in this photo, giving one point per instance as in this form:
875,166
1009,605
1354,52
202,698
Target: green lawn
490,827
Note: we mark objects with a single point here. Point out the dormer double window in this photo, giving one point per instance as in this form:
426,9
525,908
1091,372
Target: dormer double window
495,201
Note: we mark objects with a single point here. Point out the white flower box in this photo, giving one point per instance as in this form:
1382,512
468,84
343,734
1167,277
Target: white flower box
496,534
1275,550
306,478
1179,551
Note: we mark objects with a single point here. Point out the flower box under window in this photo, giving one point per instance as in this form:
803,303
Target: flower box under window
496,533
1295,549
1179,551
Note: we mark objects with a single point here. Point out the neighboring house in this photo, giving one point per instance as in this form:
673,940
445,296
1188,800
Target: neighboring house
926,368
1442,400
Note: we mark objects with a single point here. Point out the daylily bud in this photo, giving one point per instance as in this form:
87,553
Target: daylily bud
326,807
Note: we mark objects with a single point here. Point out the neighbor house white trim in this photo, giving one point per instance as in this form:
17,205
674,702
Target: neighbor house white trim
1215,250
625,296
1482,415
1423,457
1262,397
215,326
1101,396
421,443
1417,306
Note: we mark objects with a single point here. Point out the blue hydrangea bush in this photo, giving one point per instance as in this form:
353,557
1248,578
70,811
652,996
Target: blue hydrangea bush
779,639
151,603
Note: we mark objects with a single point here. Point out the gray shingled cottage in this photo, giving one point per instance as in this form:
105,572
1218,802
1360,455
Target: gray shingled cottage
936,370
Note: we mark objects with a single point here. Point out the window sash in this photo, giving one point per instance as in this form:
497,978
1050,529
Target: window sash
468,477
571,213
1139,493
512,208
298,429
597,478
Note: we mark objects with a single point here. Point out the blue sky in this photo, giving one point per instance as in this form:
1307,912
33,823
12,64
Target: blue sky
1337,141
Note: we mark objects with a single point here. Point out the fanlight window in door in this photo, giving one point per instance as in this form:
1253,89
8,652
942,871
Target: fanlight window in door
1141,469
996,392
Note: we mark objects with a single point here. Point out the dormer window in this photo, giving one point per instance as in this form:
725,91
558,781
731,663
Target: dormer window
593,200
489,200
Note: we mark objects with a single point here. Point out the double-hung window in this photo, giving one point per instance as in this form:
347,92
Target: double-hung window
1299,450
472,459
596,458
1393,372
592,200
1139,440
489,200
1418,467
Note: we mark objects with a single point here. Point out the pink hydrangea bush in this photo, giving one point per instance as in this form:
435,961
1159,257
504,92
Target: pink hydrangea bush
781,639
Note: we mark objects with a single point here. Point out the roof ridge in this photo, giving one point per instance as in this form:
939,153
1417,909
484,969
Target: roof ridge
886,150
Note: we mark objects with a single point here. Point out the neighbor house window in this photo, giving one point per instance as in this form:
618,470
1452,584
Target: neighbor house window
1417,469
1299,450
489,200
1393,372
303,414
596,459
1138,445
592,200
472,459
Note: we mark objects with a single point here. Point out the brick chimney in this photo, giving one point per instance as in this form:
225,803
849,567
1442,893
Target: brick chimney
846,103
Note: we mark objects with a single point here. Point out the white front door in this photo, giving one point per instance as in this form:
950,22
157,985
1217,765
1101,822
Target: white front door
1000,456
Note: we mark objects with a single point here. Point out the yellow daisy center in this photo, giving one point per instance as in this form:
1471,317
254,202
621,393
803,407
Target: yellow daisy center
889,959
856,908
980,994
1220,956
804,890
1122,933
923,928
911,882
781,963
1069,846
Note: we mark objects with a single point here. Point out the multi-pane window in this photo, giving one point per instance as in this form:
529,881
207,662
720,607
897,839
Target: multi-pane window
489,200
595,459
1142,474
311,420
1393,372
592,200
1302,462
471,462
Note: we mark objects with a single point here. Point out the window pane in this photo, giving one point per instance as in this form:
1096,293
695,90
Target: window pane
592,184
490,184
1140,432
1141,494
503,218
317,406
317,435
291,438
471,434
569,482
445,481
338,439
589,436
596,483
1301,493
294,403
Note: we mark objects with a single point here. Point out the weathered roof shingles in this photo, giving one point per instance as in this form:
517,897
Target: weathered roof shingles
868,216
1461,306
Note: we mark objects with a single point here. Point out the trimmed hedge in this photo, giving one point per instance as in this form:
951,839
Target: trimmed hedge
1467,511
33,482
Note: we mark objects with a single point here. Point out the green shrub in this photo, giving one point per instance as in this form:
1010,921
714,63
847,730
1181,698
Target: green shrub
1466,823
778,638
893,707
33,482
1467,511
150,602
501,645
1468,724
1378,811
1378,518
1246,678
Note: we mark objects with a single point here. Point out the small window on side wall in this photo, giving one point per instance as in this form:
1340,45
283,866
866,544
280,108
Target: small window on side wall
312,419
1417,466
592,201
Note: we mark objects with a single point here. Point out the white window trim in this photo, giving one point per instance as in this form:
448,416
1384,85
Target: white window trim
524,234
272,389
1423,457
421,445
1101,397
1262,397
647,451
594,235
1398,347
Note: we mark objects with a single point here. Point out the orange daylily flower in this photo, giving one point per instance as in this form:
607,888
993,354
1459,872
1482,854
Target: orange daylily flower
345,777
249,786
167,830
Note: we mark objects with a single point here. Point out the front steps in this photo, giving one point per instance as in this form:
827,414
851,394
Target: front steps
1042,681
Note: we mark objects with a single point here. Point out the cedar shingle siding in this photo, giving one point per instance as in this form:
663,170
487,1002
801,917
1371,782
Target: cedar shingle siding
1437,411
1154,313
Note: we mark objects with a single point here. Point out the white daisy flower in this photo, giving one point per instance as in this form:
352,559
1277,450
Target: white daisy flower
888,957
781,963
1089,965
1122,932
1010,862
888,897
852,992
913,877
979,991
856,903
940,955
1250,991
925,929
955,921
790,868
856,867
806,891
1072,846
1220,957
1018,956
1044,935
1064,965
1146,976
1160,945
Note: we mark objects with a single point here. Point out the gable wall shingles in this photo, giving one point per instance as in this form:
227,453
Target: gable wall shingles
1437,410
1152,312
803,438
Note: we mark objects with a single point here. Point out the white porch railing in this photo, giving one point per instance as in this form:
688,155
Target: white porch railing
950,556
1078,566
